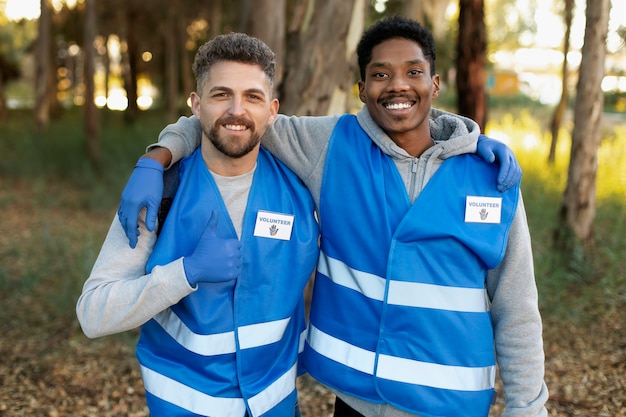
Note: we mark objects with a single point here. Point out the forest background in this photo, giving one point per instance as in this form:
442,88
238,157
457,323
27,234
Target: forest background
65,159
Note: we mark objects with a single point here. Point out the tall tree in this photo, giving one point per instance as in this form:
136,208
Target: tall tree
578,208
132,60
430,13
266,20
185,62
3,69
172,47
42,67
557,117
320,65
92,132
471,59
215,17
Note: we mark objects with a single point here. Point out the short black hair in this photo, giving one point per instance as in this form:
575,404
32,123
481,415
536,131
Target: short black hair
237,47
395,27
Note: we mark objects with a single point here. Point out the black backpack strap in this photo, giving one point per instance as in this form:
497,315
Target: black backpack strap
171,180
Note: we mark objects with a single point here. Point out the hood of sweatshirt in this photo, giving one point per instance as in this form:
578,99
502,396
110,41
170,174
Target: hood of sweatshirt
453,135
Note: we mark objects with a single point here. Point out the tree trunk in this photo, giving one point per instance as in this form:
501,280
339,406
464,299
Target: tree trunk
320,65
265,19
42,67
435,16
3,102
470,61
130,73
171,60
188,83
55,110
555,126
107,68
430,13
414,9
92,132
215,20
578,207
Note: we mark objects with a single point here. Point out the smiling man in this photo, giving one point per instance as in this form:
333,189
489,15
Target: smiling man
420,289
218,295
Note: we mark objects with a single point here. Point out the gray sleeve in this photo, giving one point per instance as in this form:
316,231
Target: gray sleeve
517,324
119,295
181,138
299,142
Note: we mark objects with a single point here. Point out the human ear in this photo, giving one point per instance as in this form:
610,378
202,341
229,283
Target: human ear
436,88
362,91
195,103
274,105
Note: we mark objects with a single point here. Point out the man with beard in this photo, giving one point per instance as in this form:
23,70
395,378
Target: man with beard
219,293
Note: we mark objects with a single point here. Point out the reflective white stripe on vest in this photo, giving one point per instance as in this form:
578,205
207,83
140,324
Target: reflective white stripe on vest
413,294
188,398
262,334
340,351
206,345
435,375
409,294
250,336
370,285
401,369
275,393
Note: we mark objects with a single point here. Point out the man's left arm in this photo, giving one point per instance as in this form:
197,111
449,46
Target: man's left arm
517,325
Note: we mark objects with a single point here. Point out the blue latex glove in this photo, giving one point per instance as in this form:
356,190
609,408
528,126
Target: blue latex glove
143,189
214,259
492,150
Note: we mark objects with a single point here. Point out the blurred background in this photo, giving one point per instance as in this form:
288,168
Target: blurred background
86,85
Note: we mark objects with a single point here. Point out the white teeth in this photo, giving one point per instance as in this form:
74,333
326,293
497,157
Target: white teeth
235,127
398,106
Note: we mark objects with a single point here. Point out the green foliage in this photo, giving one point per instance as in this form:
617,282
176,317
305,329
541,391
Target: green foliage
615,102
573,285
56,207
59,154
504,17
16,38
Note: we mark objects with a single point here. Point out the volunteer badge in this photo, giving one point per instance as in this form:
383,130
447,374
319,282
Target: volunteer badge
273,225
483,209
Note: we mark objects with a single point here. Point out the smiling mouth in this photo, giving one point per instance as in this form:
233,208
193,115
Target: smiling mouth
398,106
236,127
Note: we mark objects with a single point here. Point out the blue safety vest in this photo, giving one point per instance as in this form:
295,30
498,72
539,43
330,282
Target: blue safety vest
400,312
233,347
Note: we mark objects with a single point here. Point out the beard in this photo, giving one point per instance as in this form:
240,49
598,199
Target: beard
232,146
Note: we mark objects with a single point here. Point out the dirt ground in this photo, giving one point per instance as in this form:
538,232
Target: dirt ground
47,368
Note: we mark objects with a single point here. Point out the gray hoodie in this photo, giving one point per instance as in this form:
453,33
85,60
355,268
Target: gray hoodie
302,142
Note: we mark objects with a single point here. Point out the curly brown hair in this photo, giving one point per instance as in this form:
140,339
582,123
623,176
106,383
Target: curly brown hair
237,47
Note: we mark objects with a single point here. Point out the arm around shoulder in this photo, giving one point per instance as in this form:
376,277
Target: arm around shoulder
180,138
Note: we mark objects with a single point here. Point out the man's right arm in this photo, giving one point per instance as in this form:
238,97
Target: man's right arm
176,141
119,295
